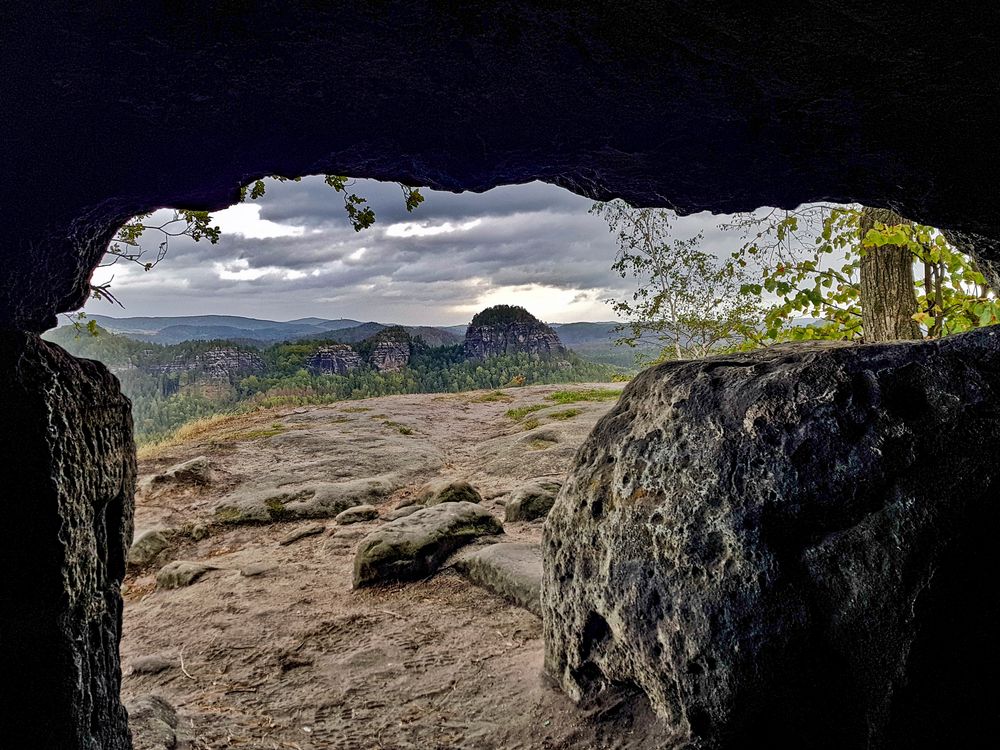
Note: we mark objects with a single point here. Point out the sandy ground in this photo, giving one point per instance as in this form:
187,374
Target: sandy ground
293,658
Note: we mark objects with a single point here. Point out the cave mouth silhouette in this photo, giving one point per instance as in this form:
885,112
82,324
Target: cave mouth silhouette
676,104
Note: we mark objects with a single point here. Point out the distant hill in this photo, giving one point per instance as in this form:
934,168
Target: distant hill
592,340
176,329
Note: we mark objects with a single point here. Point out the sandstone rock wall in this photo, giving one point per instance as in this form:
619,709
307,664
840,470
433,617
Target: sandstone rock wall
789,549
220,363
68,466
334,359
390,355
536,338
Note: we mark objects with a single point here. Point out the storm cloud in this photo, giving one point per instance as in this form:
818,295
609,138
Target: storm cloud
293,254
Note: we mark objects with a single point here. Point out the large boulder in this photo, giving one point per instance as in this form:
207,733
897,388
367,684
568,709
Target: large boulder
68,466
413,547
791,548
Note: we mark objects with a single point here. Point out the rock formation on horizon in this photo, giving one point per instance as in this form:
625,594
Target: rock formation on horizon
391,350
217,363
509,329
333,359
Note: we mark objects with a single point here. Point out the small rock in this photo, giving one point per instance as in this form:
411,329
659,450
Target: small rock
533,500
195,471
310,530
151,664
147,546
406,510
156,726
514,571
180,573
415,546
199,531
357,514
449,491
256,569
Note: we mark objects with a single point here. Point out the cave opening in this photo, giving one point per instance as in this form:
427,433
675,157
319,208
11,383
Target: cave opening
116,111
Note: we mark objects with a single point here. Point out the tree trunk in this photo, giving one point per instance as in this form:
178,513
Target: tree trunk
888,300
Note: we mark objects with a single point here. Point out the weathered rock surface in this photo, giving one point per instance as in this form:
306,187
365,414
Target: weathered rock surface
790,548
390,354
193,471
156,725
512,570
402,512
357,514
179,573
415,546
533,500
313,529
448,491
68,462
504,330
147,547
153,664
334,359
226,363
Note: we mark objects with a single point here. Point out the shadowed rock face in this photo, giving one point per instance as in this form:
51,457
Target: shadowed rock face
497,340
790,548
68,466
218,363
679,103
390,355
336,359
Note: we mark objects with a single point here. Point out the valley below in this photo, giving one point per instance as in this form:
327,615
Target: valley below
269,646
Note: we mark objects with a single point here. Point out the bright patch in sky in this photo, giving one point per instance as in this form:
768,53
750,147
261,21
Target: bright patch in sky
244,219
414,229
546,303
239,270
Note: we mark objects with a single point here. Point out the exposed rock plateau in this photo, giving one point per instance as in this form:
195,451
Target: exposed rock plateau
789,549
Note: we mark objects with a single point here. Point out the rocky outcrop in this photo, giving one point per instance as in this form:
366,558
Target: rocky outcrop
413,547
533,500
390,355
509,569
448,491
791,548
503,330
68,466
219,363
156,725
333,359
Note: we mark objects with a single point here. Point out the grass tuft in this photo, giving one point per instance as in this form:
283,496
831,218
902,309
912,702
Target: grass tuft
589,394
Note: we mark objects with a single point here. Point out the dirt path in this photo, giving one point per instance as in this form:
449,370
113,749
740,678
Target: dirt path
292,657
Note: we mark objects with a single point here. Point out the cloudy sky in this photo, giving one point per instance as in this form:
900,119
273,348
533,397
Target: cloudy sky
293,254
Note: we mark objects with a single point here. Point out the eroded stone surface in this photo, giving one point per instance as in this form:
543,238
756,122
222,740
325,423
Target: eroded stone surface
415,546
533,500
358,514
512,570
147,547
68,462
156,725
788,548
448,491
180,573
